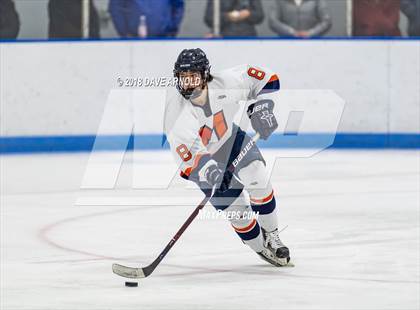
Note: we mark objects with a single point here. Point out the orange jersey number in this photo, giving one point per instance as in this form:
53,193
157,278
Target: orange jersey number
183,152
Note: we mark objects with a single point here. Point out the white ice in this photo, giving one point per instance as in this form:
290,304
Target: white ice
352,222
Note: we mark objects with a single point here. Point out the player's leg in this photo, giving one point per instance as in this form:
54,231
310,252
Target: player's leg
256,181
237,209
244,223
233,201
239,213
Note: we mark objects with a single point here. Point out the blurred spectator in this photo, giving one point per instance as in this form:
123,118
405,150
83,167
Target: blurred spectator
66,19
237,17
161,18
411,8
376,17
9,20
300,18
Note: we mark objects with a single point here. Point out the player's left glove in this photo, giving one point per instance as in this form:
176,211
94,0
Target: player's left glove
262,117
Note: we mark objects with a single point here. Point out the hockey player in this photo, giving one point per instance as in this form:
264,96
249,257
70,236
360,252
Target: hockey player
207,143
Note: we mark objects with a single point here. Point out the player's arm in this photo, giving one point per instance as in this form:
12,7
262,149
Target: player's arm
195,162
262,85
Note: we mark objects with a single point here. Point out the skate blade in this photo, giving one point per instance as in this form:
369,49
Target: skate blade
274,263
289,264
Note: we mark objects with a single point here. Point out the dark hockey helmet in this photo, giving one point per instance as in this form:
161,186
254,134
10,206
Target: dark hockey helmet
192,60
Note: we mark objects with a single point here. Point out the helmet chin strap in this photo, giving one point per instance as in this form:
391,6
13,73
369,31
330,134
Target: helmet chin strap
198,91
187,94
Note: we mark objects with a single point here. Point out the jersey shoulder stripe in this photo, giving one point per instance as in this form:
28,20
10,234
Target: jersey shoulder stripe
272,85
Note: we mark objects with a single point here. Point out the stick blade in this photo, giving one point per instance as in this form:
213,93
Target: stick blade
128,272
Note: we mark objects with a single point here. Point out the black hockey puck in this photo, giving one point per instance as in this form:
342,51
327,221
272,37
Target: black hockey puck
131,284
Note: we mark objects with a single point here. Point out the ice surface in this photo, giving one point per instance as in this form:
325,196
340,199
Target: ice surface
352,227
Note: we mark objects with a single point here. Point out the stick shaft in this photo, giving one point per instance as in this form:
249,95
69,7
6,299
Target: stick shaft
190,219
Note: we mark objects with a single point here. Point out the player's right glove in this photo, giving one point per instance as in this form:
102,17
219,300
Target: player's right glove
262,117
215,176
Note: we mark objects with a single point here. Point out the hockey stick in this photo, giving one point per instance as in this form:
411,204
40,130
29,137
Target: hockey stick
137,273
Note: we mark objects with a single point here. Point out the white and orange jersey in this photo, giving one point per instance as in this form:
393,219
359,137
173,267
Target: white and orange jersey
195,132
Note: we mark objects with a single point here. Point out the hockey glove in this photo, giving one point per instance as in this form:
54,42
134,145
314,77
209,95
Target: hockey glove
262,117
215,176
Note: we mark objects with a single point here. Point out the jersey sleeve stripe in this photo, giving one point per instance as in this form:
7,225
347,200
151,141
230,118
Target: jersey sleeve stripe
273,78
272,85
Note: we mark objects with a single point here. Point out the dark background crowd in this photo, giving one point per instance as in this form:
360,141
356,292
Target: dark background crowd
238,18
